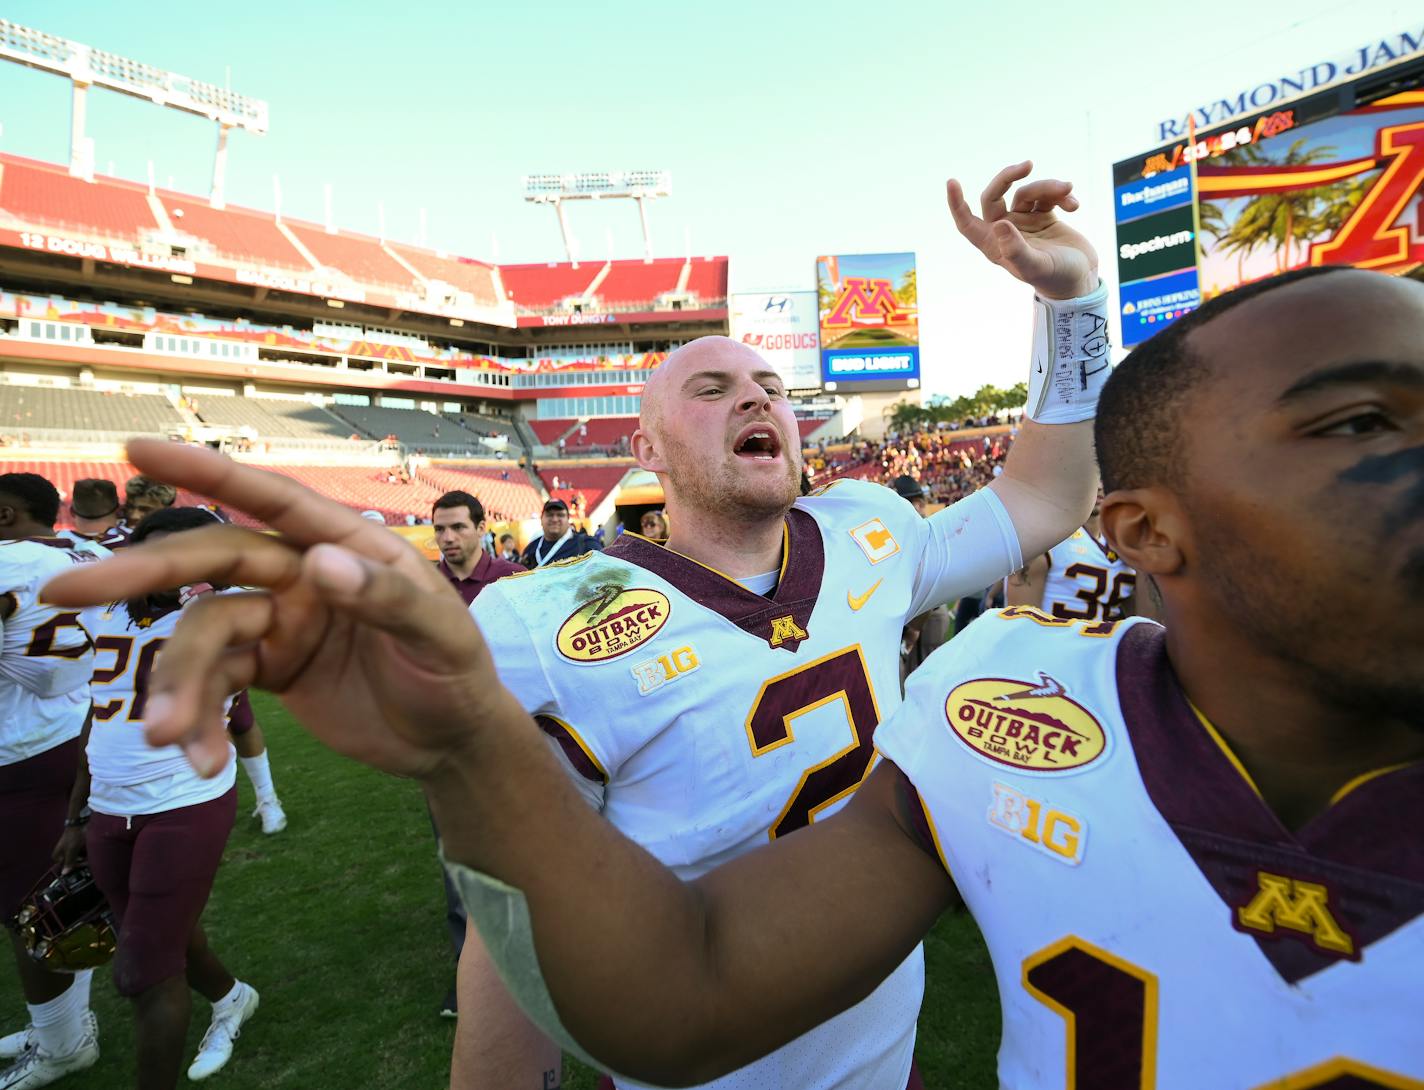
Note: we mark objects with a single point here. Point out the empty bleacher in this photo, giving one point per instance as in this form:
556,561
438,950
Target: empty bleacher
358,256
413,427
629,283
460,273
600,433
45,193
543,287
236,233
271,418
549,431
707,279
505,492
27,408
595,482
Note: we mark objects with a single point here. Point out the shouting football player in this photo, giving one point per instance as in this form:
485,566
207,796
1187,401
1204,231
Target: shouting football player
156,834
46,658
785,614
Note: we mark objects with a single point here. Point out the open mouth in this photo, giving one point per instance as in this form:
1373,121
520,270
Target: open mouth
758,442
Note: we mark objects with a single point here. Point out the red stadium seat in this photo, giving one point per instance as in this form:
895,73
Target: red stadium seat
460,273
235,233
542,287
44,193
358,256
595,482
632,282
503,500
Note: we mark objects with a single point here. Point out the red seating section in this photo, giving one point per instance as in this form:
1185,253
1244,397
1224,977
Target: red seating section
45,193
606,431
503,500
460,273
548,431
630,282
358,256
806,427
595,482
542,286
708,279
235,232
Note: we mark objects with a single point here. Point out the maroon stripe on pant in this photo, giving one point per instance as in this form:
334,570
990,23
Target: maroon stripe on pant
157,871
34,799
239,716
915,1083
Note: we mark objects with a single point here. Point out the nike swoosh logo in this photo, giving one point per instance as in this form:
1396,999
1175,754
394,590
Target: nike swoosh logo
855,602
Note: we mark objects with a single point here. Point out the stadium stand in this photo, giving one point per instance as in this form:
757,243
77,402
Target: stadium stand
358,256
485,425
237,233
413,427
630,282
28,408
45,193
271,418
595,482
805,427
549,432
602,432
365,488
460,273
707,279
505,492
542,287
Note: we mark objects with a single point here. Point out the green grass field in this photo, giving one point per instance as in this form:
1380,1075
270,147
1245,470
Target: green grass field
339,923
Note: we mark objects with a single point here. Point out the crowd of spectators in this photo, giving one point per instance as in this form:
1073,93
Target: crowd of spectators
947,467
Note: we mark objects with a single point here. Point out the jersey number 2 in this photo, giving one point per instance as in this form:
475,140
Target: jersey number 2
840,677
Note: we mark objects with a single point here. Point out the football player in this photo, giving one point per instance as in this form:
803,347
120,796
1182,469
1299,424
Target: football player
94,510
156,834
784,614
1194,852
1080,579
46,658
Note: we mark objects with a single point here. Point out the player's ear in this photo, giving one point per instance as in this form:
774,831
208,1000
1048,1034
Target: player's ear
1145,527
646,451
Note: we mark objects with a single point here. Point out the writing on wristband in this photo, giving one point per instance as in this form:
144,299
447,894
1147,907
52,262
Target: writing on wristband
1071,359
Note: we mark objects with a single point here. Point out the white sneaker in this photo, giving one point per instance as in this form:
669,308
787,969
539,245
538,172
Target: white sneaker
274,818
15,1045
216,1049
39,1068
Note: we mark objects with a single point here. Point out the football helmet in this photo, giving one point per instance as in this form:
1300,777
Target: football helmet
66,924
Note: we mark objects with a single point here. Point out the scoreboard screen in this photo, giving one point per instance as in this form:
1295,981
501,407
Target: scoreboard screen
1331,179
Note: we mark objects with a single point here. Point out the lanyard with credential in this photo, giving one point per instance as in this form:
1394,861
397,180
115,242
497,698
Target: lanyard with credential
540,559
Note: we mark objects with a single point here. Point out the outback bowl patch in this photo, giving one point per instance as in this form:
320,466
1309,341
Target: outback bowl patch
1028,726
612,624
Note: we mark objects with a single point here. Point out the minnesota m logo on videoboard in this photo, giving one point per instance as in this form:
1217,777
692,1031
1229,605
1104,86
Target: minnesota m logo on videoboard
870,327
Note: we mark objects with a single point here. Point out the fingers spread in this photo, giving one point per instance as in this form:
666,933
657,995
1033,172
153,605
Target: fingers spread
991,201
218,554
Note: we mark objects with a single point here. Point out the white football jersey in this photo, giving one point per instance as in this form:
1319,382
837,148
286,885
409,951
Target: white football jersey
46,656
705,719
1086,580
128,776
1151,922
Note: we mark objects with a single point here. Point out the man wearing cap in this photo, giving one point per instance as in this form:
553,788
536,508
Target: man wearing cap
94,511
931,628
560,541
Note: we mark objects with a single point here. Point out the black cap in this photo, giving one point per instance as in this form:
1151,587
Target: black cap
907,487
555,505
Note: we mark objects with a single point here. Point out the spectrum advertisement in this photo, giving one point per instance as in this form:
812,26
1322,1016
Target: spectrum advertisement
1332,179
783,327
869,321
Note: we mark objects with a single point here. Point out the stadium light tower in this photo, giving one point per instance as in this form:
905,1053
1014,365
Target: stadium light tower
84,66
639,185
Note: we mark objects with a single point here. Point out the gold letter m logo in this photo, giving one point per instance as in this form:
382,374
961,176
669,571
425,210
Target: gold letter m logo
1299,906
785,628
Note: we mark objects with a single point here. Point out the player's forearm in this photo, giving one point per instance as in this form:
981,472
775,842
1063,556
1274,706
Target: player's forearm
79,794
1049,481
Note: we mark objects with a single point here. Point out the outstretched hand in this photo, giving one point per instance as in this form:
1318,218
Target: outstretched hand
1026,237
357,633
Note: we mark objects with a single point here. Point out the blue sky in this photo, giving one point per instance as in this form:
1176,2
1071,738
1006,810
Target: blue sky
791,129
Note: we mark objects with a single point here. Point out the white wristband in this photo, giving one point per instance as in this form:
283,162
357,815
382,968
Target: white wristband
1070,357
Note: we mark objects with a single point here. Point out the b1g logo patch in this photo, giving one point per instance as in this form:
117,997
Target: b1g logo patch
612,624
1026,726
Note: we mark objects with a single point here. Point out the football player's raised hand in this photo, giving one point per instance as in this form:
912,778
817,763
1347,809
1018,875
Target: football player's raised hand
1026,237
358,634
